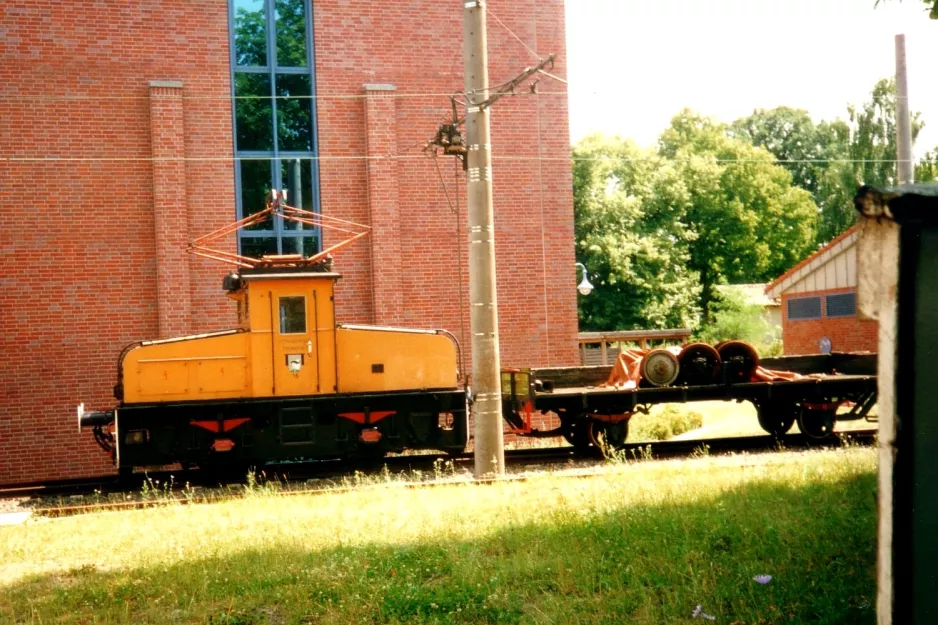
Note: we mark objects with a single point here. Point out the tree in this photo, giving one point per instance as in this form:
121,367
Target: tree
735,318
791,136
930,5
833,159
750,223
630,233
926,170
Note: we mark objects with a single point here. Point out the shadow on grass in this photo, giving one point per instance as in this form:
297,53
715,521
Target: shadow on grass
636,564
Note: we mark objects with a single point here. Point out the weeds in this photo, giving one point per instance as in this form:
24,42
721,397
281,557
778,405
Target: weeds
156,491
259,485
443,468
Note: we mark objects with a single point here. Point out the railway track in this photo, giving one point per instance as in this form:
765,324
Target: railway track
69,497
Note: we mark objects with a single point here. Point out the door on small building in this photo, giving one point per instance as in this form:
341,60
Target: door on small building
294,358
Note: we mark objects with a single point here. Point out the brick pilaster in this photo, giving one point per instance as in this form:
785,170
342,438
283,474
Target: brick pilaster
170,208
384,203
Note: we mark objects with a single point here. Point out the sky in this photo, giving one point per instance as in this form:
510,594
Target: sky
633,64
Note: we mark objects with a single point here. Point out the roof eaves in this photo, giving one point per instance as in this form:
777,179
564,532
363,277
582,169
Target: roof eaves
771,286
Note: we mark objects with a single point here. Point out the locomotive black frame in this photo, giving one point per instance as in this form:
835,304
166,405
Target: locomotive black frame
294,429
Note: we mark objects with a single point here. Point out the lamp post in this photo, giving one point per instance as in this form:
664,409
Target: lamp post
585,288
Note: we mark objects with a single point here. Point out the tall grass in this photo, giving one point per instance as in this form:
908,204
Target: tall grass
639,543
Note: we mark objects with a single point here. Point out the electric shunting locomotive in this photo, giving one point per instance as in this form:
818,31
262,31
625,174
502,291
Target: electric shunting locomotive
288,382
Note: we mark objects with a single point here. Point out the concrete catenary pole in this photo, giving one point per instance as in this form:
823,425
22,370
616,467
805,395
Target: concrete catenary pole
878,253
903,121
486,363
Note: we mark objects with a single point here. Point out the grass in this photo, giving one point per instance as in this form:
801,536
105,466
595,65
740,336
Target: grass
663,422
640,542
718,419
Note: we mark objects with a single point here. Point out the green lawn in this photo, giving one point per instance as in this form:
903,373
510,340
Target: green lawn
644,542
720,419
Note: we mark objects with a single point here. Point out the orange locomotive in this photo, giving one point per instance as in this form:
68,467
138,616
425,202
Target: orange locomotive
288,382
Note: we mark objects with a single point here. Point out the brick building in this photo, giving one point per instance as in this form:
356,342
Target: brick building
819,302
120,142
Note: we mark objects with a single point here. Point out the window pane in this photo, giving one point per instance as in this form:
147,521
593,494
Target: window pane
297,180
291,33
255,185
804,308
257,247
307,246
253,113
294,114
250,32
292,315
842,305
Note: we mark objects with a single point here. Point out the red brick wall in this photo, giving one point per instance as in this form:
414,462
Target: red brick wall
847,334
79,239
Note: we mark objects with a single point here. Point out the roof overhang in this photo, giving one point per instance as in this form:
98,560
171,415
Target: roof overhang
811,264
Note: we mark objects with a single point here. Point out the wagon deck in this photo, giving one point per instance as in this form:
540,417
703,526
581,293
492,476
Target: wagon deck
578,395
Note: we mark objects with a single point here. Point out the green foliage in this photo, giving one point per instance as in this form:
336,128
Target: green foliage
833,159
735,319
926,170
664,424
930,5
659,230
791,136
717,204
630,233
750,223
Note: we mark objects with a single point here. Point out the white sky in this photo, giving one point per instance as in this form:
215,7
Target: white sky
633,64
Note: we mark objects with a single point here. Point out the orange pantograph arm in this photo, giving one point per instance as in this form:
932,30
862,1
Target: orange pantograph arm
200,246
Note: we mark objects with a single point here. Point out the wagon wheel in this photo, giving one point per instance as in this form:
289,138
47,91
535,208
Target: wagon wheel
739,360
817,423
659,368
574,431
700,364
609,435
777,418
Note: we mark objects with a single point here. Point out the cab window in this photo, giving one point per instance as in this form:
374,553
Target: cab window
292,315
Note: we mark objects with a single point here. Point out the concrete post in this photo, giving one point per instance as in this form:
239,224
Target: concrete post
903,120
486,363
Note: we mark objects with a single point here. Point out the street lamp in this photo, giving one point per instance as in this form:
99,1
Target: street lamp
585,288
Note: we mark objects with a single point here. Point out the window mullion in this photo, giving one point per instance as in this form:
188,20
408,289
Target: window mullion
272,66
311,67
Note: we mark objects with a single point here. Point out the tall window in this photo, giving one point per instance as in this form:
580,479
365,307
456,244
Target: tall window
274,120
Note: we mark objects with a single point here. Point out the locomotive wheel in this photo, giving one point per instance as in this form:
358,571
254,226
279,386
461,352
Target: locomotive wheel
817,423
608,435
777,419
575,432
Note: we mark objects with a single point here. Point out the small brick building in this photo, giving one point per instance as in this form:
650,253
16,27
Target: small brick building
129,129
819,302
